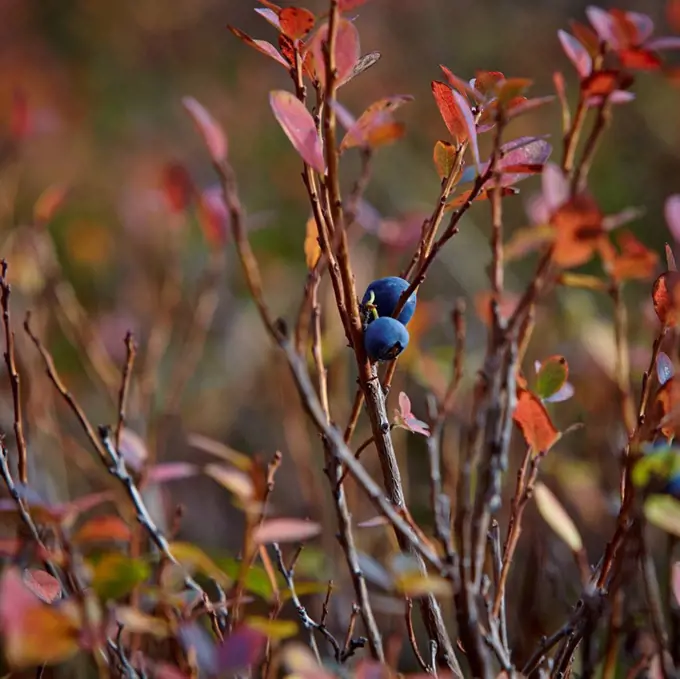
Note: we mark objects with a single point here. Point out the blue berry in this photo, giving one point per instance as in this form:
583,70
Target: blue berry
673,486
385,338
384,294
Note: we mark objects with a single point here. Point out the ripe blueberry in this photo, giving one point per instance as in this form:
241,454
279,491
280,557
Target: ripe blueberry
385,338
384,293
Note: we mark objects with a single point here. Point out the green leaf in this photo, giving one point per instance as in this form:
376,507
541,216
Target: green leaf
551,377
663,512
659,463
257,580
274,629
196,560
116,575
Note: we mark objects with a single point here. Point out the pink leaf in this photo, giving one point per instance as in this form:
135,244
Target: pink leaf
213,135
523,151
240,650
298,124
285,530
171,471
469,120
577,53
45,586
262,46
347,50
555,186
672,214
666,43
644,26
270,15
406,419
461,85
603,23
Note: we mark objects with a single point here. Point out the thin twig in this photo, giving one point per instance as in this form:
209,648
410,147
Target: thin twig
14,379
131,352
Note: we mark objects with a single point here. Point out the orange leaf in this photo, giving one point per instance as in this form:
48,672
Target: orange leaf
213,135
296,22
260,45
33,632
50,200
375,125
298,124
103,529
668,408
532,418
578,231
312,248
635,261
463,198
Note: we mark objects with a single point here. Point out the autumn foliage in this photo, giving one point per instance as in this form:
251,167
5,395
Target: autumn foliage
107,584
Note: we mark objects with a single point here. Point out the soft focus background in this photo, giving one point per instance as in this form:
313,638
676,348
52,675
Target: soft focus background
91,95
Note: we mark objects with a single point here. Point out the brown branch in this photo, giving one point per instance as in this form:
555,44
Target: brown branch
14,379
131,352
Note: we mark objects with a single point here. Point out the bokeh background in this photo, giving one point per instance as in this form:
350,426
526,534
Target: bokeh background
90,99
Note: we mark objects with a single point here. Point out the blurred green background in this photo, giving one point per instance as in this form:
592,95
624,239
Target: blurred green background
103,84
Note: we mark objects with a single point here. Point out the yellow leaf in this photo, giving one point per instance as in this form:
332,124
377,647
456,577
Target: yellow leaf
557,518
234,480
274,629
417,584
137,621
663,512
194,559
208,445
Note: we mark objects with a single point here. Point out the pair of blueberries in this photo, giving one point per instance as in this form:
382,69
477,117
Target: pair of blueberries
386,337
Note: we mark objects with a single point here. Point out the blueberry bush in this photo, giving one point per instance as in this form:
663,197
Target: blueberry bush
509,542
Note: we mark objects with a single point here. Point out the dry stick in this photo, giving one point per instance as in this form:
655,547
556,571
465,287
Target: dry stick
194,344
25,515
131,352
14,379
373,394
307,622
114,462
412,638
317,349
612,647
523,490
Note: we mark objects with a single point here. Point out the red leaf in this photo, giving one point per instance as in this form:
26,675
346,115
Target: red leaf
603,83
639,59
177,186
20,118
666,297
586,36
285,530
672,214
346,5
487,81
460,85
260,45
577,53
532,418
375,124
213,216
296,22
453,117
578,232
298,124
213,135
347,51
